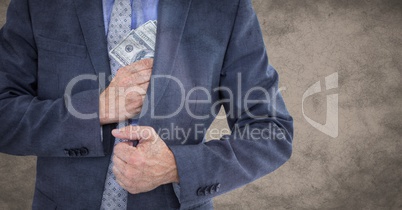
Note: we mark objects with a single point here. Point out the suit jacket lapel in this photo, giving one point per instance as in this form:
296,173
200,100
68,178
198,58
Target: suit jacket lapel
90,15
172,17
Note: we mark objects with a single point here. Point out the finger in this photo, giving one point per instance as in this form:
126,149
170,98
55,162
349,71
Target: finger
135,133
135,101
129,143
135,93
134,108
124,151
141,77
143,74
126,133
120,183
133,70
144,86
119,176
119,169
142,64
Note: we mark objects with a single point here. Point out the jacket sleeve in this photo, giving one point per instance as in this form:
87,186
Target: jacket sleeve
262,129
31,125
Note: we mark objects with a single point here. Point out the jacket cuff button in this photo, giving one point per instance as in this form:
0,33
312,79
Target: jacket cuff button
218,187
67,152
70,152
84,151
200,192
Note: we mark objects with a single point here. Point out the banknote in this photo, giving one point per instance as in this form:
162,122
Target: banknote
137,45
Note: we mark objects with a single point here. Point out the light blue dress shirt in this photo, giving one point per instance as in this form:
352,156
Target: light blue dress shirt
148,11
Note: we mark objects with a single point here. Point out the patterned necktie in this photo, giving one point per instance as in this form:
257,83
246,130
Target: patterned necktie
114,196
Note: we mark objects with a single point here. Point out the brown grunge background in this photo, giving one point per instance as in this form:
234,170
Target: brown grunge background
307,41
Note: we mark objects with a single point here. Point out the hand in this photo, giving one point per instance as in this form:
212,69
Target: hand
145,167
124,97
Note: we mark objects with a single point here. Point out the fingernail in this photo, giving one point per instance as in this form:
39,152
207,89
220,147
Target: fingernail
115,131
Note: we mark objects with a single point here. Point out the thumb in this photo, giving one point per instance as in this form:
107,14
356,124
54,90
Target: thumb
126,133
135,133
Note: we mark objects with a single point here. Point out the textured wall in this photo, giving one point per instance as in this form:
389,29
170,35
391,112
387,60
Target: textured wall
307,41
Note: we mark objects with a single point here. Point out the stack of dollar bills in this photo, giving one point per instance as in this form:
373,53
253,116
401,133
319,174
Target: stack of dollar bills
137,45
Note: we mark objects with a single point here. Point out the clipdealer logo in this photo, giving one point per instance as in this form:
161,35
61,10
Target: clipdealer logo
331,125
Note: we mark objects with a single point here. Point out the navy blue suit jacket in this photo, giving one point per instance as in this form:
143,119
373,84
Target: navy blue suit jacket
201,44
